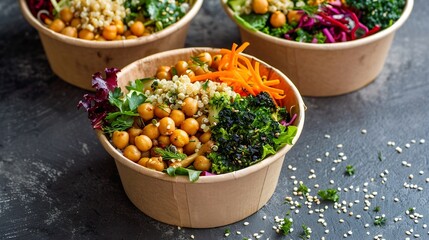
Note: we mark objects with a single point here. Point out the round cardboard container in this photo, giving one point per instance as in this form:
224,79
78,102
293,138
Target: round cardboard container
329,69
212,201
75,60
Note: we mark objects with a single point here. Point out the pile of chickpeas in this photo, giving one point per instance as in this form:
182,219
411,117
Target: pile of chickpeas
71,24
183,127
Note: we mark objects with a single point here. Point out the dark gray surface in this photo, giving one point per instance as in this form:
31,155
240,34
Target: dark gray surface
57,182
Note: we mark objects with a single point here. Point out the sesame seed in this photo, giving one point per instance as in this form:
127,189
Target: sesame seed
246,223
422,141
192,236
398,149
363,131
331,181
327,136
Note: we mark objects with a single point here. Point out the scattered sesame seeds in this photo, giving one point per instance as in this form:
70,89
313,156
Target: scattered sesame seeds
398,149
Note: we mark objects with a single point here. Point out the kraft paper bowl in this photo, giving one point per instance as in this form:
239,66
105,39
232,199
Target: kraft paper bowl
75,60
320,70
212,201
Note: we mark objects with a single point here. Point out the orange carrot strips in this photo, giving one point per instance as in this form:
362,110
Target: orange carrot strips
238,72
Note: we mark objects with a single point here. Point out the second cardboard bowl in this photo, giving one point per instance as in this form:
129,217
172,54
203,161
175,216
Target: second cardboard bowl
74,60
328,69
212,201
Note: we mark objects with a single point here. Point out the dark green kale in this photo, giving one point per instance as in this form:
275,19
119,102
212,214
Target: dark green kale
162,13
381,13
248,133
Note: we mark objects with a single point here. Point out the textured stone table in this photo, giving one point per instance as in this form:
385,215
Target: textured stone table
57,182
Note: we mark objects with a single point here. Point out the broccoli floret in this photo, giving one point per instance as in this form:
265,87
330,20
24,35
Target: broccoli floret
246,133
217,103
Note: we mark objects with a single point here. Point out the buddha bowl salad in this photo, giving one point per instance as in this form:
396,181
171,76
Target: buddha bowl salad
107,20
207,115
317,21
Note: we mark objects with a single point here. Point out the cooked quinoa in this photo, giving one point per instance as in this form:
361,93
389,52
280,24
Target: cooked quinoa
173,92
96,14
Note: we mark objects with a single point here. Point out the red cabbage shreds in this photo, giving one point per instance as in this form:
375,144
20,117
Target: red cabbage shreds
97,104
41,9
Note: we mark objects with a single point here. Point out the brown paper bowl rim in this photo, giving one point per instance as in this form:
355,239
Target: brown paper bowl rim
326,46
110,44
119,158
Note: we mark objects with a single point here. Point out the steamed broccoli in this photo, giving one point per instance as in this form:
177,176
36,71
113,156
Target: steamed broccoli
248,133
217,103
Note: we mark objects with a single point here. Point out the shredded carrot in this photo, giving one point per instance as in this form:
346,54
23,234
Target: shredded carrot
238,72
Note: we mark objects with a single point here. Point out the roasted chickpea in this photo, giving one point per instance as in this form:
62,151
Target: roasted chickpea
205,137
260,6
143,143
206,58
190,126
120,139
181,67
189,73
216,61
155,163
197,69
132,152
151,131
75,22
66,15
137,28
143,161
146,111
57,25
191,146
179,138
163,141
69,31
166,126
163,75
162,110
177,116
110,32
293,16
202,163
277,19
190,106
133,132
120,26
86,34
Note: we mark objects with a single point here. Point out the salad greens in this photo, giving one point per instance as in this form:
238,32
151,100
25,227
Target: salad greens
378,13
248,131
329,195
162,13
322,21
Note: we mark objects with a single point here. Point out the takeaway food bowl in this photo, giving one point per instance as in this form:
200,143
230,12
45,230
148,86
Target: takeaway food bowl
212,201
75,60
320,70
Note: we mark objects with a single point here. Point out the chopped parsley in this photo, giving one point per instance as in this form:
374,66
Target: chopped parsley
350,170
303,189
329,194
380,221
306,232
286,226
377,209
